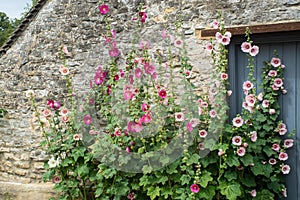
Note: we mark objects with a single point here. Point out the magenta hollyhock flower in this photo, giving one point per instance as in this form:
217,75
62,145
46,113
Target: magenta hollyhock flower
146,118
143,16
122,73
98,79
108,90
116,77
189,126
283,156
149,69
138,72
194,188
87,120
241,151
237,140
162,94
246,46
114,52
254,50
104,9
145,107
127,149
237,121
56,105
288,143
117,132
202,133
50,103
275,62
285,169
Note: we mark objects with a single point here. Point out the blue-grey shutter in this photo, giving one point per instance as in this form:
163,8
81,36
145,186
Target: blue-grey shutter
287,45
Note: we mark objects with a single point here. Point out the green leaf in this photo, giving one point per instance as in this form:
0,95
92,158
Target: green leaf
83,170
65,162
262,169
164,160
261,118
230,175
247,159
232,160
230,189
205,178
193,159
248,180
147,169
185,179
264,195
267,127
166,192
153,192
207,193
268,150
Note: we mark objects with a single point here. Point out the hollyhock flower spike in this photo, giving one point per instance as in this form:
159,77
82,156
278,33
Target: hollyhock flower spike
103,9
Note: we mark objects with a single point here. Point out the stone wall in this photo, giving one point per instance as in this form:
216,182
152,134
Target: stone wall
31,62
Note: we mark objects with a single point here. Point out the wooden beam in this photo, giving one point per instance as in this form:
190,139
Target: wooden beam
262,28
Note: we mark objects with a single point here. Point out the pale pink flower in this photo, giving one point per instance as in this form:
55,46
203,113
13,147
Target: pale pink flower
283,156
127,95
265,103
189,126
178,43
149,69
64,111
114,52
250,99
288,143
220,152
65,118
285,169
272,73
65,50
225,40
284,91
212,113
127,87
194,188
275,88
200,111
253,136
276,147
278,82
127,149
87,120
237,121
284,192
204,104
215,24
275,62
227,34
247,107
272,111
64,71
282,131
201,146
91,132
224,76
237,140
260,96
229,93
144,45
202,133
245,144
272,161
247,85
77,137
194,122
47,113
253,193
281,125
164,34
209,47
241,151
254,50
246,46
282,66
219,37
56,179
138,72
179,116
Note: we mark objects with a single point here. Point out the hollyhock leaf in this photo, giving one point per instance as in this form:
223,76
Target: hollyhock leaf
205,179
268,150
262,169
267,127
147,169
261,118
230,189
207,193
232,160
167,192
231,175
247,159
185,179
193,159
264,195
249,180
153,192
209,160
164,160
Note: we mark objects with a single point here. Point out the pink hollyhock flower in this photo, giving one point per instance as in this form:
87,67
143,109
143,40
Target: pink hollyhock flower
47,113
201,146
241,151
245,144
204,104
247,85
227,34
144,45
265,103
250,99
56,179
246,46
278,82
254,50
179,116
229,93
64,71
104,9
98,79
127,149
253,193
65,118
64,111
275,62
272,73
131,196
92,132
212,113
224,76
288,143
108,90
146,118
284,91
149,69
283,156
145,107
219,37
189,126
87,120
260,96
225,40
188,74
116,77
282,131
202,133
162,94
122,73
127,87
284,192
209,47
253,136
77,137
65,50
237,140
220,152
194,188
200,111
276,147
275,88
50,103
272,161
237,121
215,24
272,111
285,169
138,72
114,52
127,95
117,132
281,125
194,122
56,105
178,43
